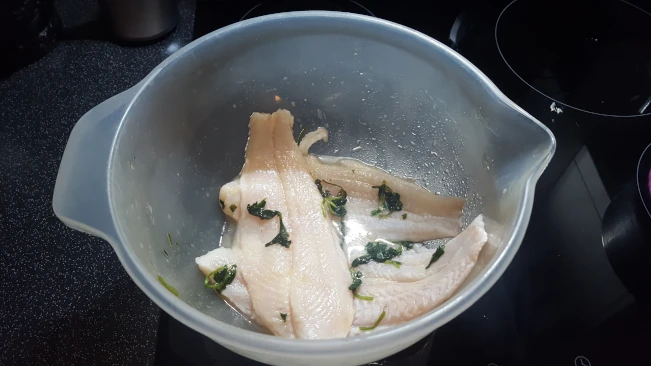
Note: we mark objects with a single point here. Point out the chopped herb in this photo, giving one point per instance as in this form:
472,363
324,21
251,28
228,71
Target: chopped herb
377,322
165,252
353,171
336,204
257,209
364,259
362,297
379,252
282,238
222,276
169,239
404,216
169,288
394,263
300,136
233,207
283,316
389,201
222,204
437,254
357,281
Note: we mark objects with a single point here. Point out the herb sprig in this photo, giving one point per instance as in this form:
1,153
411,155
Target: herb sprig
222,276
379,252
258,209
436,255
357,281
389,201
169,240
300,136
335,204
169,287
377,322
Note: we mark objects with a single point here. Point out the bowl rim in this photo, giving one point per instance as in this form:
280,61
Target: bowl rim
254,342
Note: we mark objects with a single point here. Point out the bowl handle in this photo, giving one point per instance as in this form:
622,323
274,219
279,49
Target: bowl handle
80,197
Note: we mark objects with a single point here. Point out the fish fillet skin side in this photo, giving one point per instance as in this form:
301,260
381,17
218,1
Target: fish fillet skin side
404,301
322,304
236,293
266,270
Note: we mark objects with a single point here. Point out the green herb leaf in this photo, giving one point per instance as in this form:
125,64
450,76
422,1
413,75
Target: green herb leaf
378,252
282,238
377,322
300,136
361,260
169,288
222,204
389,201
165,252
222,276
357,280
169,239
362,297
394,263
437,254
283,316
258,209
335,204
233,207
404,216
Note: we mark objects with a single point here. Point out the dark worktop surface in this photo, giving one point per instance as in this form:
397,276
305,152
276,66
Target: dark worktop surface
65,297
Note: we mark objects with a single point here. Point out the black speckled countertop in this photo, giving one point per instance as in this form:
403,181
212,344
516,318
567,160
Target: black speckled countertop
65,297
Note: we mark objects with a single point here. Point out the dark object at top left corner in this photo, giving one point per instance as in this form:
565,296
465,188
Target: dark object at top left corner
28,31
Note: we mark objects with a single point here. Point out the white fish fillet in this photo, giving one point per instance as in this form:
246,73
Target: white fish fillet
322,305
412,268
358,178
309,281
230,195
311,137
404,301
236,293
266,270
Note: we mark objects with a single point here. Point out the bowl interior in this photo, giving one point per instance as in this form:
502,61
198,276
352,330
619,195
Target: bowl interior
411,107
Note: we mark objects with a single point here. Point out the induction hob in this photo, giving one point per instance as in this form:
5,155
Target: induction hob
559,302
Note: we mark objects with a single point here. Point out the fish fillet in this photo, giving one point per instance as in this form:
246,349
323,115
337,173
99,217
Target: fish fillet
309,280
358,178
236,293
229,194
322,304
266,270
312,137
404,301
